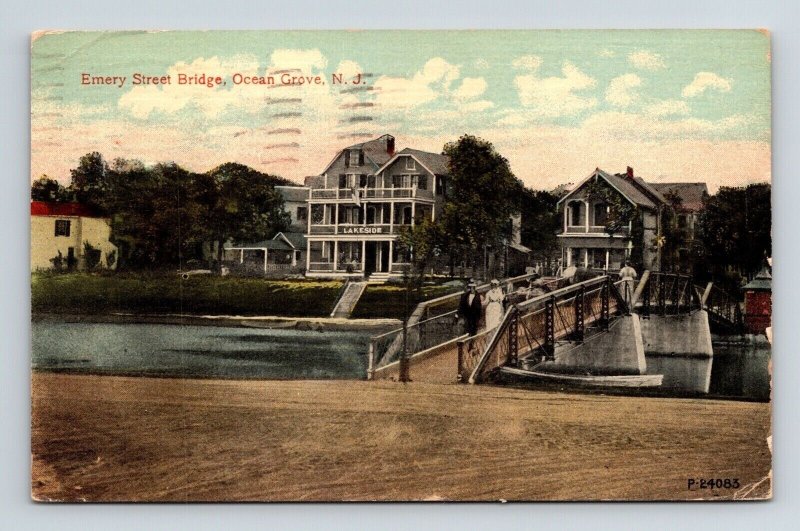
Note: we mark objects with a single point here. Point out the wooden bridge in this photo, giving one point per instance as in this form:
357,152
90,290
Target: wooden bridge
533,329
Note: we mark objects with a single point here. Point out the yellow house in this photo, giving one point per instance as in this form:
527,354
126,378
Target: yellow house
60,232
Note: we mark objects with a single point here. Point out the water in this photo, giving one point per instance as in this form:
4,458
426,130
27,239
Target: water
739,371
198,351
736,370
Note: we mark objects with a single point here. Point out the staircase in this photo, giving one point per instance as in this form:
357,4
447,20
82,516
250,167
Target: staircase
347,302
378,278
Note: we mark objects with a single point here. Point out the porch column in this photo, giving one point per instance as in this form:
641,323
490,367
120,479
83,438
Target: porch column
607,253
241,256
569,256
336,218
363,256
308,255
413,211
391,217
586,257
336,253
587,215
266,253
294,258
390,255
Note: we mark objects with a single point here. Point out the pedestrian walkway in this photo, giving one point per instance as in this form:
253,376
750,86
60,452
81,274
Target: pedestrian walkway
347,302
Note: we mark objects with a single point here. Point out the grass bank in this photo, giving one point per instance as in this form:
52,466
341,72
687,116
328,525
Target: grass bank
387,300
84,293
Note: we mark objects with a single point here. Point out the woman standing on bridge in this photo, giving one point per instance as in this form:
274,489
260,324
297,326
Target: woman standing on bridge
494,305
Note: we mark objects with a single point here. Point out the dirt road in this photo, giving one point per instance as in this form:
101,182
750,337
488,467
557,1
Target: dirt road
106,438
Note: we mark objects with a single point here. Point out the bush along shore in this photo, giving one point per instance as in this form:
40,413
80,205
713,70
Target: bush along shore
170,293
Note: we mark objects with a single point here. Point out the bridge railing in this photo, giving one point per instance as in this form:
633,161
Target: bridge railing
723,307
666,294
531,328
438,323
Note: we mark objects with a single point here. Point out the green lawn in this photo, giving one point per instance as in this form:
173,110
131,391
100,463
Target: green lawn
387,300
84,293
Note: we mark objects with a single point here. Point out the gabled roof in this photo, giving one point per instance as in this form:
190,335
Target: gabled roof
293,193
629,190
436,163
691,194
374,151
272,245
295,239
44,208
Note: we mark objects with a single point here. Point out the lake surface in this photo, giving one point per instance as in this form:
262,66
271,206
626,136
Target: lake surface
739,371
199,351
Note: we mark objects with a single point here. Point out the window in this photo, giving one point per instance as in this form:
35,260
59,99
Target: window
302,213
411,164
62,227
317,214
600,214
401,181
355,158
420,181
441,185
575,214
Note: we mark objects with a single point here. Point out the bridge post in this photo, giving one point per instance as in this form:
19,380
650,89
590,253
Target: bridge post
645,312
675,295
605,312
513,338
580,297
662,296
549,327
460,367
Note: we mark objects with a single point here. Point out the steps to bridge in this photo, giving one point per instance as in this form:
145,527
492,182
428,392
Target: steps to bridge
348,300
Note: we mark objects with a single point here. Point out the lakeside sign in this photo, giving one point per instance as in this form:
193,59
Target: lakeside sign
361,230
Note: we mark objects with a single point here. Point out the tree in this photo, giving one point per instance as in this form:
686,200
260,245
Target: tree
89,183
485,193
541,222
736,229
46,189
241,205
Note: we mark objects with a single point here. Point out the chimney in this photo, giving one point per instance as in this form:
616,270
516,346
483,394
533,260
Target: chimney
390,144
630,173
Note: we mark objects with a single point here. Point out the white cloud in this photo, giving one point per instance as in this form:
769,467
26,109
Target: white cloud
476,106
425,86
556,96
470,88
527,62
605,52
667,108
621,91
703,81
481,64
303,60
645,60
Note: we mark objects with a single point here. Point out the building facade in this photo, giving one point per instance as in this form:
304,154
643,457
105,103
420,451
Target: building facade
64,234
360,202
584,239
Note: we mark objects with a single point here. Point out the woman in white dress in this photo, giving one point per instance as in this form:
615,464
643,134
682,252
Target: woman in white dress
494,305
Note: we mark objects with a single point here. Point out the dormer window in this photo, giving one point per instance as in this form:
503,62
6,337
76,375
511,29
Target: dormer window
355,158
411,164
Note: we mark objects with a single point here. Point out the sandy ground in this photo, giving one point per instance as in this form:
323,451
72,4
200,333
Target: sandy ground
106,438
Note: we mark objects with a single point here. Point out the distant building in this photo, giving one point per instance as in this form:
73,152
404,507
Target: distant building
60,232
584,240
284,252
362,199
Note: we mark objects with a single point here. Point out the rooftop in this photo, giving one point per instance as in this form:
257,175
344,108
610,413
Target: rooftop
44,208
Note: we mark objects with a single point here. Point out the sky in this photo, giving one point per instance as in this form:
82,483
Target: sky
676,105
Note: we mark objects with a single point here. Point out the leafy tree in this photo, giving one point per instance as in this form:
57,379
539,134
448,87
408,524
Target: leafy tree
89,180
736,229
241,204
485,193
46,189
540,224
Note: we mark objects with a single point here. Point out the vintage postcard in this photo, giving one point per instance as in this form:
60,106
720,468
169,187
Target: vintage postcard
401,265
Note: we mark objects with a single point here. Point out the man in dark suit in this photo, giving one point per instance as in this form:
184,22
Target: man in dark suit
469,308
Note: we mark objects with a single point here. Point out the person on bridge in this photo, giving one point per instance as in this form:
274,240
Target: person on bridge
469,308
628,276
494,305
